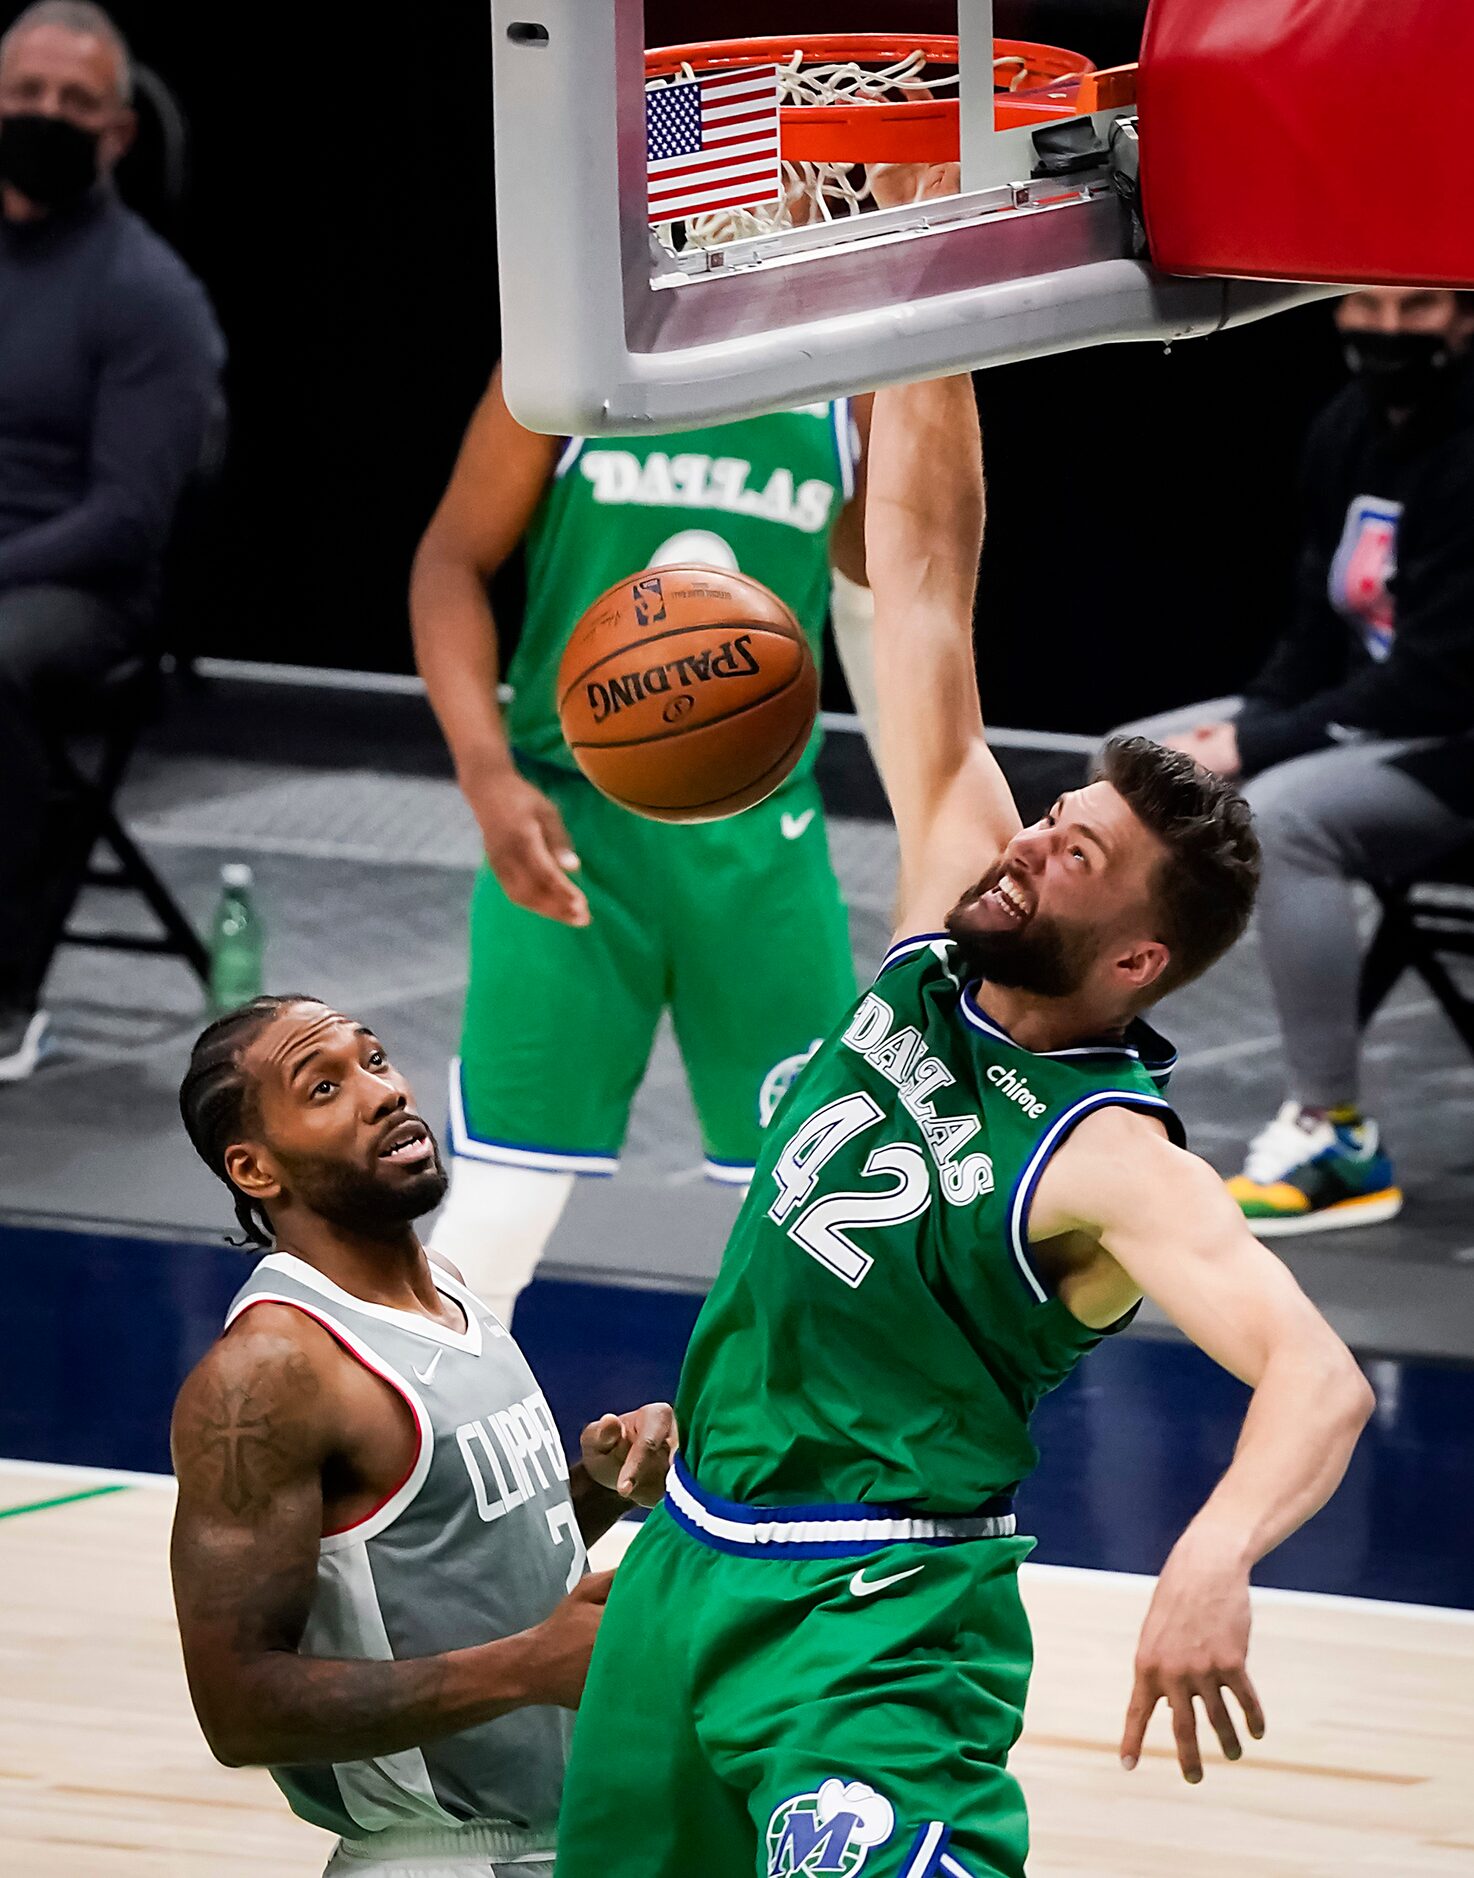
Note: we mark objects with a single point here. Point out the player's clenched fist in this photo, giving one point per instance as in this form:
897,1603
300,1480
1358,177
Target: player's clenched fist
1194,1646
560,1646
630,1454
528,848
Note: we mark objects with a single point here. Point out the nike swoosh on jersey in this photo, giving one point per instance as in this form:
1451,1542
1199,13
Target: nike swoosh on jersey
427,1375
861,1587
794,825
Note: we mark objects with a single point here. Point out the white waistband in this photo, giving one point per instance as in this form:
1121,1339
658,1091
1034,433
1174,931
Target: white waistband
503,1844
816,1531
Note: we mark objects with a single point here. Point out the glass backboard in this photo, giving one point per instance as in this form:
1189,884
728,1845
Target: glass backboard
666,261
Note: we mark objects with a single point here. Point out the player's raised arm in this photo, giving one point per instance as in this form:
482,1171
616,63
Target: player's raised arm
1164,1218
923,535
498,480
253,1429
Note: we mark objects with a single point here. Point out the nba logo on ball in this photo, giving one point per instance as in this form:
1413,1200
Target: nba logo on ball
828,1834
649,600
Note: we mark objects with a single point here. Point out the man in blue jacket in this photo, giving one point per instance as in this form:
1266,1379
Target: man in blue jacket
109,367
1357,737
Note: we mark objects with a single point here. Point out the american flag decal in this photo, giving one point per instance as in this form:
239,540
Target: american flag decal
712,143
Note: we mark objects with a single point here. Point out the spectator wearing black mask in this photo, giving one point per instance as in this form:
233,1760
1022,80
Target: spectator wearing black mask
1355,738
109,368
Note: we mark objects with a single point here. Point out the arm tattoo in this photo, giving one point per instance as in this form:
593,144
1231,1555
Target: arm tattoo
243,1437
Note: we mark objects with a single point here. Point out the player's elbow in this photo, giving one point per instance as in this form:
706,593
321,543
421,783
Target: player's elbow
1334,1380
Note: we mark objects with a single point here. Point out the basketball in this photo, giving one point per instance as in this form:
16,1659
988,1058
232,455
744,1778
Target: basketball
687,693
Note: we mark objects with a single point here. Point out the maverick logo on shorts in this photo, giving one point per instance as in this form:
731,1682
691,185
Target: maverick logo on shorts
829,1833
778,1082
732,659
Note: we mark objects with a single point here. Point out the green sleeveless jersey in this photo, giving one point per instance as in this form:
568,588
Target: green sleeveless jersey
878,1332
761,496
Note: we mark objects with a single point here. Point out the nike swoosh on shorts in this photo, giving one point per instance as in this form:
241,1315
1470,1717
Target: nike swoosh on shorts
861,1587
794,825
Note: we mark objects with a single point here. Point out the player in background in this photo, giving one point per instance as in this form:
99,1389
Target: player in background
379,1545
815,1656
588,921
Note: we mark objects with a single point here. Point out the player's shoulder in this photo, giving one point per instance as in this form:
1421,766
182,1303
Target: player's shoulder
267,1355
920,951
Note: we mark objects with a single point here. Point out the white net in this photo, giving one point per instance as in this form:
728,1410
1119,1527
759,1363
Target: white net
823,191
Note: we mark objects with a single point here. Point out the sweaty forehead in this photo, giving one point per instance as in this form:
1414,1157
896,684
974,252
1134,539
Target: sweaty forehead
1104,807
301,1028
48,50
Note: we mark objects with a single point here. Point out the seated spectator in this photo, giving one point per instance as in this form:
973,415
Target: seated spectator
1354,738
109,367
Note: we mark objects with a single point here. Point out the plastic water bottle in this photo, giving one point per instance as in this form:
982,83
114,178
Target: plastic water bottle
237,942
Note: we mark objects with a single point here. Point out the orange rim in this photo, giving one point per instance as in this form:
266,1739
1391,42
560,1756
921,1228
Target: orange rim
1056,84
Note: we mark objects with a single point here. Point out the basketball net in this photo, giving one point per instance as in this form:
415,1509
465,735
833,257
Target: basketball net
814,192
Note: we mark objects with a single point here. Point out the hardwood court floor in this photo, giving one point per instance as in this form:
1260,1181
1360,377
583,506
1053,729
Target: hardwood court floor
1364,1773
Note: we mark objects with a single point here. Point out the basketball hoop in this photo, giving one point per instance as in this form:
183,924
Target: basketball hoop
848,100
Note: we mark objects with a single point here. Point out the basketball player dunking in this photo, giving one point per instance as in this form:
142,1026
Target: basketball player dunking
815,1656
379,1547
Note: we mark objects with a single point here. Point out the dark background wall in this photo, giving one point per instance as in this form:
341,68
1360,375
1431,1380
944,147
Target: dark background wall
342,217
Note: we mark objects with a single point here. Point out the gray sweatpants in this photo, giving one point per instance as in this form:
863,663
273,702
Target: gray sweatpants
1325,821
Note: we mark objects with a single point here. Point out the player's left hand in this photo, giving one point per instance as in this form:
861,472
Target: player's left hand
630,1454
1194,1645
1214,746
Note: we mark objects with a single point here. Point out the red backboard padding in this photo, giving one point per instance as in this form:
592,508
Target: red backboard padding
1309,139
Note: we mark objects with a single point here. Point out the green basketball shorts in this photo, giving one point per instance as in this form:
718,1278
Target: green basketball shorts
849,1710
737,926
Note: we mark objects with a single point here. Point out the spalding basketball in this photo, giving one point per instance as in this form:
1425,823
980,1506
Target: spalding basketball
687,693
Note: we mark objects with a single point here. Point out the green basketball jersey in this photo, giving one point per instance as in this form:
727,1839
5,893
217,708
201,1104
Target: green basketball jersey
878,1332
761,496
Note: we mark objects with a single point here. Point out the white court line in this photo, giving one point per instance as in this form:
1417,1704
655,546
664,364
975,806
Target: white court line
67,1470
407,685
1255,1046
608,1551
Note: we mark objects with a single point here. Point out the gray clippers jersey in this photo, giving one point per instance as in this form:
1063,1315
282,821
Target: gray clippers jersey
478,1541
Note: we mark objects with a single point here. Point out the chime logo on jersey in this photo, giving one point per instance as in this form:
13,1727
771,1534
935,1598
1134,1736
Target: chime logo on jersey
778,1082
828,1834
1363,569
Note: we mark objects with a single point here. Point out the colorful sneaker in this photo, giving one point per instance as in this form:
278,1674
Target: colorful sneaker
1305,1173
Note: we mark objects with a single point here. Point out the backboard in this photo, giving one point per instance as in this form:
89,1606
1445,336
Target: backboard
610,325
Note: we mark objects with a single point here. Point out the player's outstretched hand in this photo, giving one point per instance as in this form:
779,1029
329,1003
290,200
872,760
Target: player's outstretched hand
630,1454
563,1642
1194,1646
894,185
529,849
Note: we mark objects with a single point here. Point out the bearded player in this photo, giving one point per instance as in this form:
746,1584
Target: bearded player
815,1656
379,1548
587,922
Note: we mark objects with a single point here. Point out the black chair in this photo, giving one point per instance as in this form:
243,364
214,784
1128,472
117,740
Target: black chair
1424,923
103,853
92,753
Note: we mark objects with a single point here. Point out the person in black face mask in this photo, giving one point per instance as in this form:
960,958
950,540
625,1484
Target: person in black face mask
1356,740
109,372
65,116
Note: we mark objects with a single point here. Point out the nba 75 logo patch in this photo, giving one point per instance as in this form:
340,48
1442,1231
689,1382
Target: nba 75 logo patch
649,598
828,1834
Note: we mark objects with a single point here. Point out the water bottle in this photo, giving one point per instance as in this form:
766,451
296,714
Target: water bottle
237,941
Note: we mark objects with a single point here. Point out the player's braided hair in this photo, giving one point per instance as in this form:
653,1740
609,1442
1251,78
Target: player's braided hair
215,1099
1205,886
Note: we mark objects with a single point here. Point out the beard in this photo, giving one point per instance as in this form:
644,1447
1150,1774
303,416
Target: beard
1042,955
363,1200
